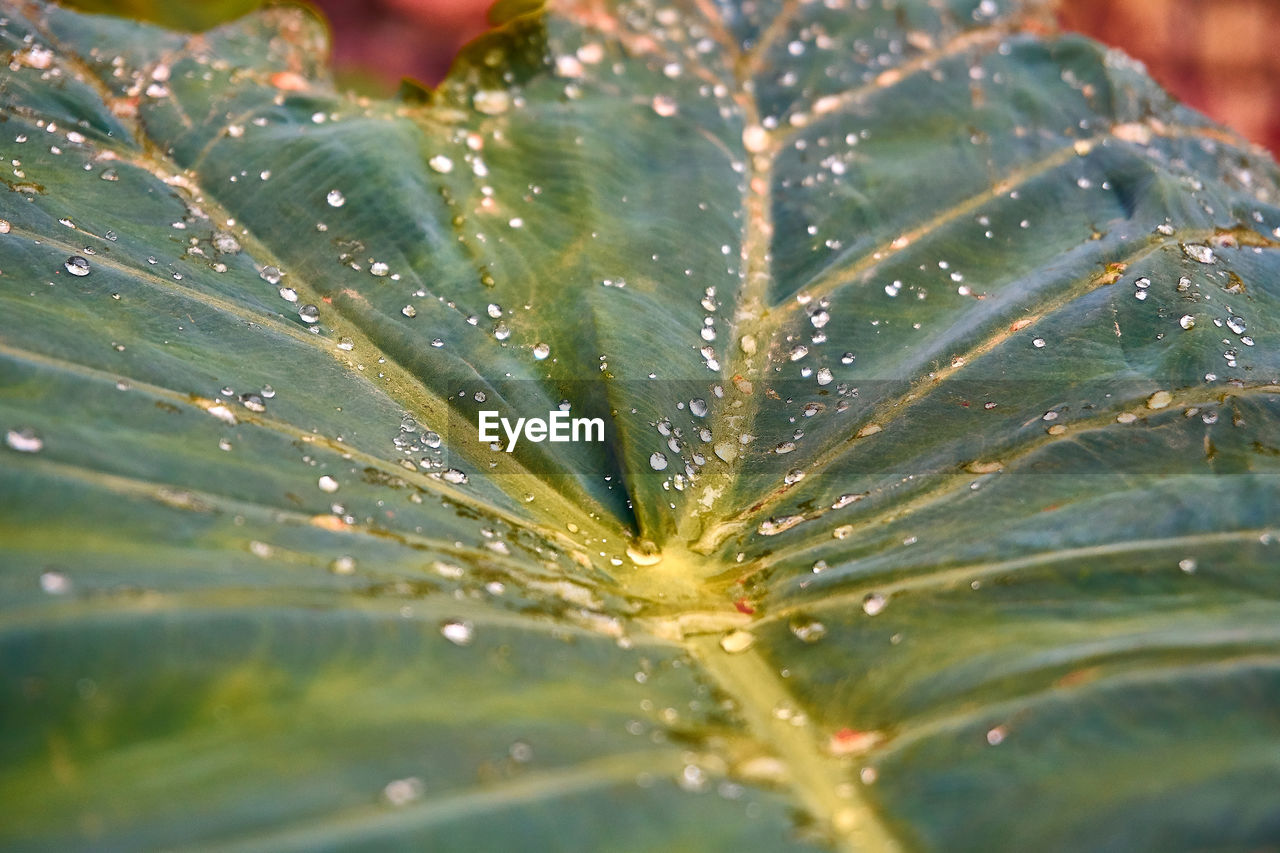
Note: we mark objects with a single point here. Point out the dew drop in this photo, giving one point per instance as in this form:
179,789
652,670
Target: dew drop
737,641
664,105
458,631
226,242
441,164
808,630
253,402
54,583
491,101
23,441
309,313
874,603
657,461
77,265
335,198
327,484
1203,254
541,351
774,526
755,138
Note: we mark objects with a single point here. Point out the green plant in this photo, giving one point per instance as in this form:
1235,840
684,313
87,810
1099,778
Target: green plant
938,506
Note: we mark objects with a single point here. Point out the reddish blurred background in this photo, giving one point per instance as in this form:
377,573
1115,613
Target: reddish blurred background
1219,56
1216,55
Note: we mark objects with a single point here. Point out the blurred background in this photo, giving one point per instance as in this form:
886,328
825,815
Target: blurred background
1216,55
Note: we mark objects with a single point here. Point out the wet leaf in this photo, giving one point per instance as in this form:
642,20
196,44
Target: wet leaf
937,502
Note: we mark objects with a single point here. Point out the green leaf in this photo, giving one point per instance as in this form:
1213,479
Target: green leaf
938,503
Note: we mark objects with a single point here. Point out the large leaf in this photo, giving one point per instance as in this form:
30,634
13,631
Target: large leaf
937,509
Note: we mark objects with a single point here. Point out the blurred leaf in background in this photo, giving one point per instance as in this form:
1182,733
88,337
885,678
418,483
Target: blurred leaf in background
1213,54
191,16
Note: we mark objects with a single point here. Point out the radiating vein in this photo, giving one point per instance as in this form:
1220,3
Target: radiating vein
952,576
361,824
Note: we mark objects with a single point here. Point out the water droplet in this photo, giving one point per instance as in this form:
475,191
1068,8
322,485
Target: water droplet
5,226
1236,324
657,461
755,138
379,269
458,631
1187,321
409,311
725,451
327,484
491,102
824,376
664,105
453,475
335,198
441,164
996,736
253,402
343,565
808,630
403,791
271,275
1159,400
874,603
698,407
309,314
541,351
226,242
774,526
23,441
642,552
1188,565
737,641
55,583
77,265
1203,254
